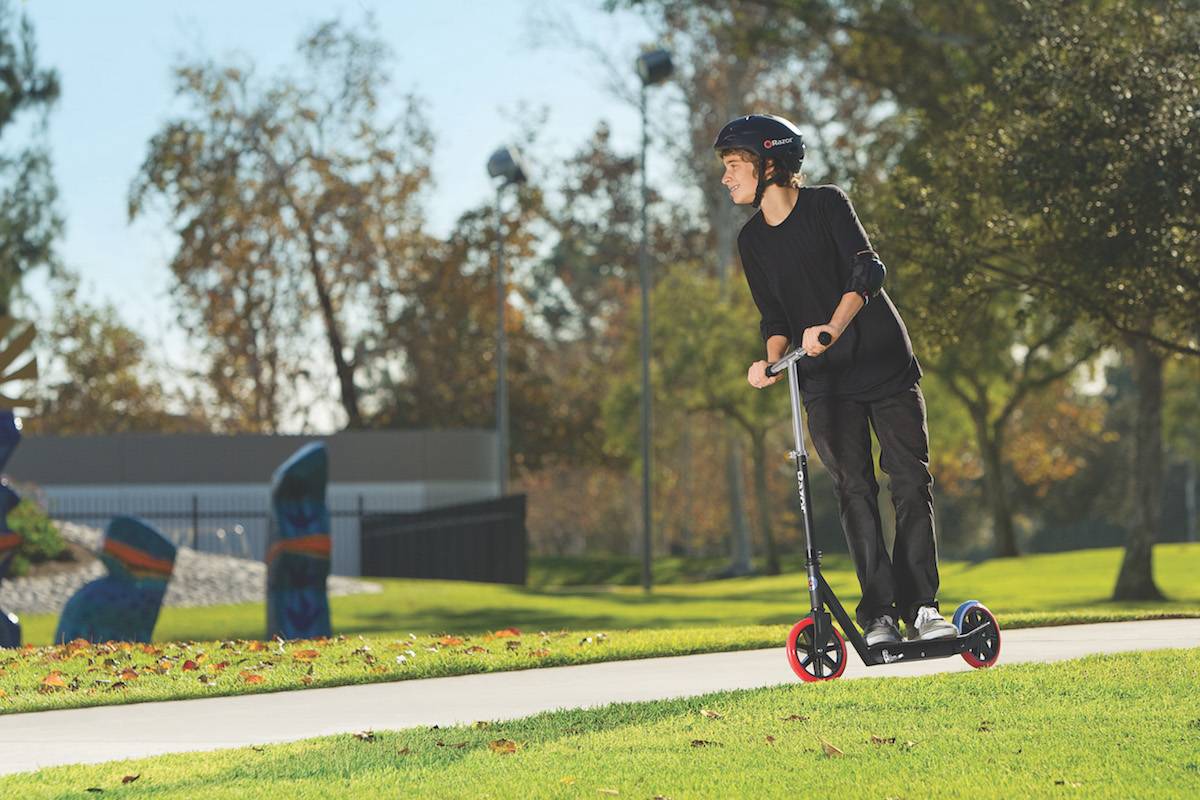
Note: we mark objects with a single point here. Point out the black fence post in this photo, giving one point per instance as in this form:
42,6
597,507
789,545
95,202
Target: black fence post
195,522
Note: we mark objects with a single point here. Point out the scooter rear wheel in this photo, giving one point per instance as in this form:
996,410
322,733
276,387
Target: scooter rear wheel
969,616
804,658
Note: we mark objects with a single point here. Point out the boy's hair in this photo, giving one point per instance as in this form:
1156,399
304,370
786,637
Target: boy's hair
779,177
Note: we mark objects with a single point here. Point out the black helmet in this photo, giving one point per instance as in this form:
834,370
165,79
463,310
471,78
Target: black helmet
766,136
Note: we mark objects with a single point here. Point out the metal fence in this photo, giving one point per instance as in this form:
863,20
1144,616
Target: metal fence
484,541
230,521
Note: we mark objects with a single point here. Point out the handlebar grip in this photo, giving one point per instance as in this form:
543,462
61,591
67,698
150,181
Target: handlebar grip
772,370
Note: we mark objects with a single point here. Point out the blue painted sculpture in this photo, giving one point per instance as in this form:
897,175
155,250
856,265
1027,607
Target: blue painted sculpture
298,549
10,437
122,606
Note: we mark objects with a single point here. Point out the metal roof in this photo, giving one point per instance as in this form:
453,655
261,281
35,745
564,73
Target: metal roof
354,457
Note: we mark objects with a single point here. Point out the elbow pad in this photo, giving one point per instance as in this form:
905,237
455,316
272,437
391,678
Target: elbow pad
866,275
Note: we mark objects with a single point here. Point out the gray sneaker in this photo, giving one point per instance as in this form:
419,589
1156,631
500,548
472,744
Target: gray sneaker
930,624
882,630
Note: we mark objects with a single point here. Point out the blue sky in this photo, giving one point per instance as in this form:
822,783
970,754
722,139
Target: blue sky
474,63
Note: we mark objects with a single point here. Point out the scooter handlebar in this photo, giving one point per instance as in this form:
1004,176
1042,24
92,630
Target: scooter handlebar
779,366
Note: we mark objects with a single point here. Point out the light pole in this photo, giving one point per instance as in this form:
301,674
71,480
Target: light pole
505,164
653,67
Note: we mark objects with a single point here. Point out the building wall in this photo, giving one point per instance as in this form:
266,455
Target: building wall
213,492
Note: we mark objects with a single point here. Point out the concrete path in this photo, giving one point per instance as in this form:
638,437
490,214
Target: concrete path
89,735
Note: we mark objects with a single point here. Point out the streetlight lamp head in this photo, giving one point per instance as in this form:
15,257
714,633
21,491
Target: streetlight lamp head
654,67
506,163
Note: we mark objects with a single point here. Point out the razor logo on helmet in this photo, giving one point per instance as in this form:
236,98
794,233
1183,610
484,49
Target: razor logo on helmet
769,143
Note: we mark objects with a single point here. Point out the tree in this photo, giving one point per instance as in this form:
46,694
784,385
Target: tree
1086,132
701,335
97,377
29,222
291,196
993,347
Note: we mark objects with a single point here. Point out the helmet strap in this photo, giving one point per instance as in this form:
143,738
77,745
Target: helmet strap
762,181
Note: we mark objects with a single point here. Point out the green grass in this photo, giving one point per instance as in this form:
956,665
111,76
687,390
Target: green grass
1105,726
557,628
1063,586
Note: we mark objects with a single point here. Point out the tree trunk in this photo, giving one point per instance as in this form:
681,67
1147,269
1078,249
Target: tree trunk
345,372
763,500
1189,500
737,508
1136,578
685,523
1004,538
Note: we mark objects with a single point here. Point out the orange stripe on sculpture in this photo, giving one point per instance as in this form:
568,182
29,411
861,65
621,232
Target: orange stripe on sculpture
136,559
316,545
9,540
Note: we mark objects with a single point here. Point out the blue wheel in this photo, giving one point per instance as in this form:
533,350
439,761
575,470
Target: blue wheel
961,612
969,616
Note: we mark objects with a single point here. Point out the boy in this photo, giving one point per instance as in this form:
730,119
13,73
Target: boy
811,269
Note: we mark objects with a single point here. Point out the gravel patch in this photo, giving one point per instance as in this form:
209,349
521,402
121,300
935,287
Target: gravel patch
199,579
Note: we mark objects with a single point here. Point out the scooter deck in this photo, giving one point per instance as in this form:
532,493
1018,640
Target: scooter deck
912,650
915,649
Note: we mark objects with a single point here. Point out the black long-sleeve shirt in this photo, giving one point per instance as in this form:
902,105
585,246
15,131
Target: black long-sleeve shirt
798,271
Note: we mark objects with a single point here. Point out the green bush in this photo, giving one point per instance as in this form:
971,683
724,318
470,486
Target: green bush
43,542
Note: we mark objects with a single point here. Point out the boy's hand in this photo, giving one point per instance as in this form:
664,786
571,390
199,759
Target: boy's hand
758,375
810,343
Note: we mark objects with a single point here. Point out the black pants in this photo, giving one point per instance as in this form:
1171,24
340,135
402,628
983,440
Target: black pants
841,433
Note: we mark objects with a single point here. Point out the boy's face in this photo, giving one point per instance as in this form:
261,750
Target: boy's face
739,178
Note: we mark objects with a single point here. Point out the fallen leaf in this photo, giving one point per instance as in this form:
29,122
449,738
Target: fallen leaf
250,677
704,743
366,736
541,652
830,750
305,655
131,778
258,748
503,746
483,723
710,714
985,726
403,751
117,685
475,650
220,665
881,740
128,674
307,680
794,718
608,791
909,745
190,665
255,646
54,679
567,780
3,693
95,789
1073,784
770,739
450,641
507,633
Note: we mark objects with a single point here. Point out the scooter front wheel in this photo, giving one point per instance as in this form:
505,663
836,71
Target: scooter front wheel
969,616
812,662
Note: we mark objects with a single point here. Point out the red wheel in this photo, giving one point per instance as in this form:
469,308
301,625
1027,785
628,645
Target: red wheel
810,661
971,616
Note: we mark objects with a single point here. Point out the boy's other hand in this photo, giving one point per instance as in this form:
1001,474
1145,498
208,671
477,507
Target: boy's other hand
758,375
812,346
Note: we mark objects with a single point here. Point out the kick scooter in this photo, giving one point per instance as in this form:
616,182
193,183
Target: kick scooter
815,649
